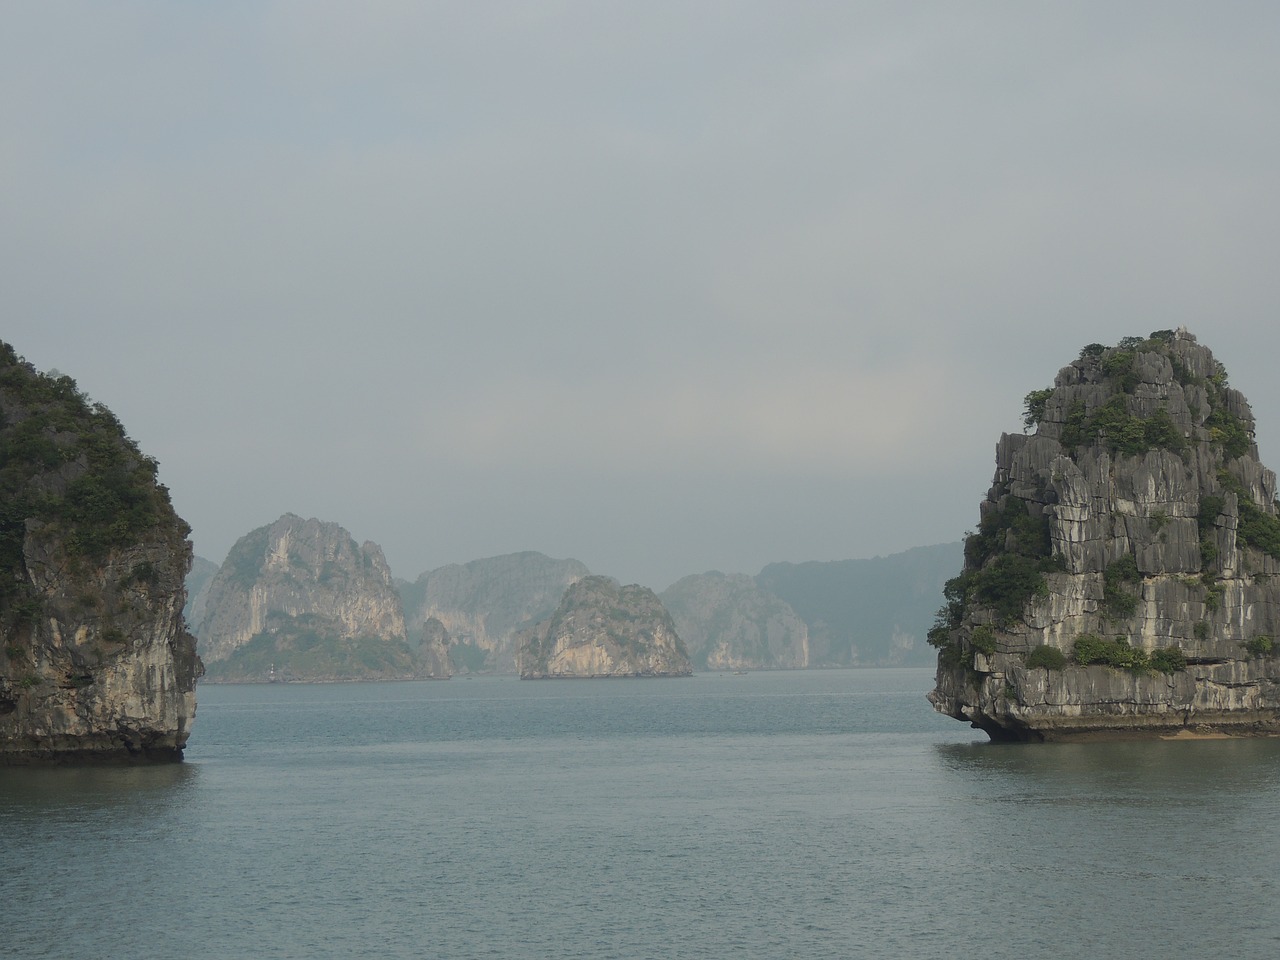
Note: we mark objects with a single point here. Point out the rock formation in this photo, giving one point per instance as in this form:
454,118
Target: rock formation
485,603
95,663
433,651
601,629
1124,579
299,600
731,623
866,613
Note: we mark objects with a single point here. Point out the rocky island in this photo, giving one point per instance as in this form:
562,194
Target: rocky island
96,663
299,600
1124,579
602,629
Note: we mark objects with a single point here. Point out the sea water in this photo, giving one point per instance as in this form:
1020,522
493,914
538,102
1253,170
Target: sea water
771,815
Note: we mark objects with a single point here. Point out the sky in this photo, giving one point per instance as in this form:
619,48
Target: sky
665,287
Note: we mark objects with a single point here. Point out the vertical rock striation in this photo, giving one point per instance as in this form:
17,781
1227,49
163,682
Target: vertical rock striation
1124,579
96,663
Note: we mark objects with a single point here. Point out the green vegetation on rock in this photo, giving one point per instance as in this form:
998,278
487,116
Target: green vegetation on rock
1117,580
1033,406
1114,426
67,467
1006,561
983,639
309,647
1260,646
1045,657
1090,649
1257,528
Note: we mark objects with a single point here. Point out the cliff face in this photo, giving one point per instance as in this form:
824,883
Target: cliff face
601,629
1125,576
299,596
95,662
730,623
485,603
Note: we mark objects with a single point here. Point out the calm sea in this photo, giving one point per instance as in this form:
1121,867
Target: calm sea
772,815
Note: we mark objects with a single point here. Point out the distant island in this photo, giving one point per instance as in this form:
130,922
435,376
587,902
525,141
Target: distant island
1124,579
282,607
603,629
300,600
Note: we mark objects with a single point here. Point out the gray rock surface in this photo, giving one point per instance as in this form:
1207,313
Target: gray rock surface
95,662
1138,512
602,629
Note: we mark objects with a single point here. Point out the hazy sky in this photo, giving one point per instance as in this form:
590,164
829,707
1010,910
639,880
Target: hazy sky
662,286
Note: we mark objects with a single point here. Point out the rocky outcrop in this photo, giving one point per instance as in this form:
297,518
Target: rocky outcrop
298,599
1125,576
433,651
485,603
602,629
95,662
730,623
872,612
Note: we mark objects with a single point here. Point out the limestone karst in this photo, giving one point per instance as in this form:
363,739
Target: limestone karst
1124,579
298,599
602,629
484,604
433,651
727,622
95,662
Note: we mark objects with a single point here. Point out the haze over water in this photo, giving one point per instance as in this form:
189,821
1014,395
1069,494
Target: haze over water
812,814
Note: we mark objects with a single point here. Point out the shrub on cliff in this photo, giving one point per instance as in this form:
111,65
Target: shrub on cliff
1090,649
1045,657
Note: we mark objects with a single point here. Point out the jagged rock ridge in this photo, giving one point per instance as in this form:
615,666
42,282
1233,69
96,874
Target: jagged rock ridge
95,662
298,599
602,629
1125,576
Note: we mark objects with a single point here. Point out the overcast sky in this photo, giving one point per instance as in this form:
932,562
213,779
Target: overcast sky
662,286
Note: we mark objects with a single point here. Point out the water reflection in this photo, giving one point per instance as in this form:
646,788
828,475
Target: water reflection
39,792
1214,767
